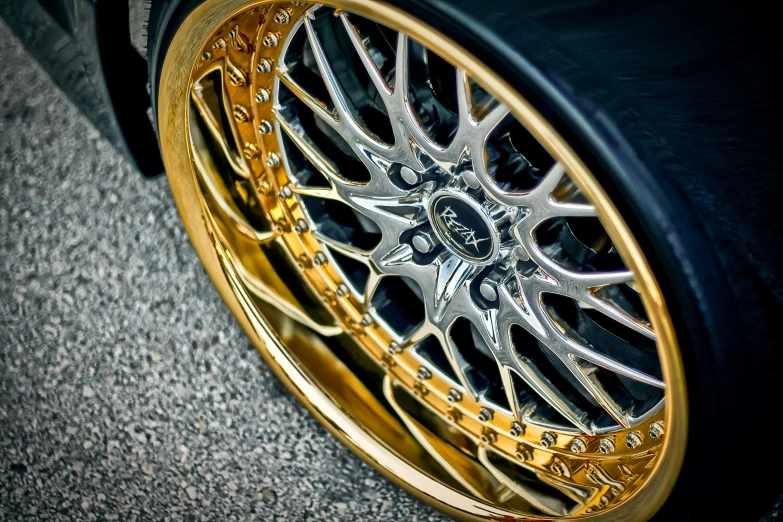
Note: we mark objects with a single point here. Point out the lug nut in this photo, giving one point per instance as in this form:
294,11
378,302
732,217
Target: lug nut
634,440
265,127
410,176
264,66
470,179
273,160
607,445
262,96
548,439
423,242
656,430
520,253
488,290
423,374
517,429
485,415
578,445
454,396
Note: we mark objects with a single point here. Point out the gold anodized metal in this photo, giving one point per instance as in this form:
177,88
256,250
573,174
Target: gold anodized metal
241,40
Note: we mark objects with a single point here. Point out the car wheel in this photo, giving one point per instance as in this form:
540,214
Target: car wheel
487,281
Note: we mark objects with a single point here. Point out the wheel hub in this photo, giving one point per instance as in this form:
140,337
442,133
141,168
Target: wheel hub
464,226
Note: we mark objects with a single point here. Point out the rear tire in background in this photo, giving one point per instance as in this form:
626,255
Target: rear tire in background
656,114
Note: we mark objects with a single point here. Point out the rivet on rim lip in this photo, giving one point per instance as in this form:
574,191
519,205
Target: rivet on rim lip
394,348
240,113
488,436
273,160
560,468
454,396
271,39
423,374
320,258
220,43
265,127
607,445
523,453
578,445
262,96
300,226
342,290
282,16
634,439
485,414
656,430
548,439
517,429
454,415
367,320
264,66
250,151
286,192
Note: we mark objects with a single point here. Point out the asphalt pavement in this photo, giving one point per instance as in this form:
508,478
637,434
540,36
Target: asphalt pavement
127,390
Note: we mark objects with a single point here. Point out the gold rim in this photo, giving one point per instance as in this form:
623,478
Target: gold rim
228,37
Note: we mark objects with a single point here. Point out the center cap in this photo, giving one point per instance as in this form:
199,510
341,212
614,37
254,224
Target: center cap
463,227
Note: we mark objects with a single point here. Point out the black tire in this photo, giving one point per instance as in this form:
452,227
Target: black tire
673,108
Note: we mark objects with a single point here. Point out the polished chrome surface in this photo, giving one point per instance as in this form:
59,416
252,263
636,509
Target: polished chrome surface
479,224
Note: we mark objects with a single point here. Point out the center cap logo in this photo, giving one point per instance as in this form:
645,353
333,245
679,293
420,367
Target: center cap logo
462,227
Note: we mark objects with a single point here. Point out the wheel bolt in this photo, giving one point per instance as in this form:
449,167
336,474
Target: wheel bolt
454,396
485,414
342,290
517,429
264,66
656,430
607,445
423,242
634,440
548,439
578,445
262,96
367,320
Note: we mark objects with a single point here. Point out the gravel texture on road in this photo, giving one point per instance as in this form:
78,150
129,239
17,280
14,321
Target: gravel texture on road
127,390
